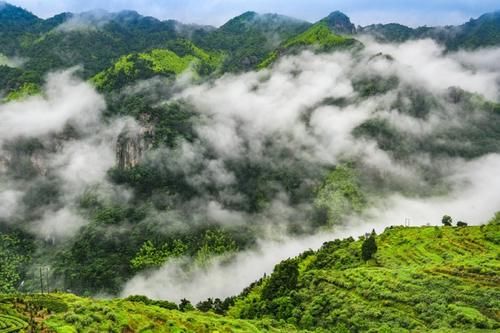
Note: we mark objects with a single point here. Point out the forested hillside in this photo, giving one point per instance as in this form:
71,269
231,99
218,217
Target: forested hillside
440,279
408,279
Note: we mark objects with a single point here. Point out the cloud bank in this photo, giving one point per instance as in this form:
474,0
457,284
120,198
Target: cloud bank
308,106
62,135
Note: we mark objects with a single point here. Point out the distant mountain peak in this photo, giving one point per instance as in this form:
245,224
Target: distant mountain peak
15,15
254,20
339,23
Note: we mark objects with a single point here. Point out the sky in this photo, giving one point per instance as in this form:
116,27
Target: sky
216,12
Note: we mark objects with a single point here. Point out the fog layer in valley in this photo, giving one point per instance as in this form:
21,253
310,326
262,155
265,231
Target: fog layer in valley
302,115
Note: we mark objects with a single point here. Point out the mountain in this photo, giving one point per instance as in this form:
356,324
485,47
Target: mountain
249,37
331,33
93,39
178,57
418,279
481,32
166,164
339,23
16,17
61,313
439,279
392,32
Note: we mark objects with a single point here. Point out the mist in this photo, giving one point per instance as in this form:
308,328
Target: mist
285,105
475,200
301,118
69,146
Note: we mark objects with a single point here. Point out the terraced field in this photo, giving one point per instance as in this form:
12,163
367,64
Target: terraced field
67,313
421,279
10,324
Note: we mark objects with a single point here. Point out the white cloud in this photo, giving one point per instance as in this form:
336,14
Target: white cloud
77,162
65,99
241,112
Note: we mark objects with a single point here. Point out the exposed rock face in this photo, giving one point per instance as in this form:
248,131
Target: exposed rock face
131,146
340,23
23,159
4,162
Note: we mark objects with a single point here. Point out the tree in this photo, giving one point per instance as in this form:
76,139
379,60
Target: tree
461,224
369,247
283,279
447,220
185,305
205,306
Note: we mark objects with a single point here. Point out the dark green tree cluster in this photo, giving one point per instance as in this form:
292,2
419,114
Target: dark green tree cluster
369,247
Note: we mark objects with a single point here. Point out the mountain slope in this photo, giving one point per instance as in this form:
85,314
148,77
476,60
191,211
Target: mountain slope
63,313
171,61
481,32
248,38
420,279
320,37
339,23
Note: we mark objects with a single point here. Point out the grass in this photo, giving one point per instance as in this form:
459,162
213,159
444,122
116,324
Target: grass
65,313
421,279
11,324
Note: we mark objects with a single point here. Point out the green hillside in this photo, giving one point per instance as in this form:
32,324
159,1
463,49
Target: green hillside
167,62
65,313
249,37
476,33
319,36
420,280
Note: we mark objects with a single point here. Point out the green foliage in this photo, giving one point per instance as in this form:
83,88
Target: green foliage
10,324
319,36
282,280
392,32
150,256
143,299
369,247
214,243
134,314
246,39
447,220
480,137
371,86
340,194
164,62
481,32
26,90
15,254
185,305
424,279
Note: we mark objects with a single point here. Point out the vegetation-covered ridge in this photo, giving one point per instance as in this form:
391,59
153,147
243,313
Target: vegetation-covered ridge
415,279
172,61
65,313
97,40
418,279
320,37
